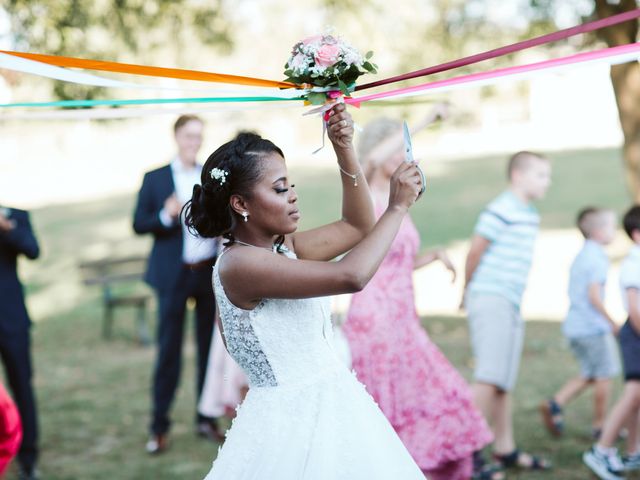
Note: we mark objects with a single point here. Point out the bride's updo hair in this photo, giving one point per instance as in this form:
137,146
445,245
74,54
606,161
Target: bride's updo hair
233,169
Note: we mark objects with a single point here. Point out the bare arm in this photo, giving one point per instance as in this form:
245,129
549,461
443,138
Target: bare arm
358,217
595,297
395,142
479,245
633,296
250,274
431,256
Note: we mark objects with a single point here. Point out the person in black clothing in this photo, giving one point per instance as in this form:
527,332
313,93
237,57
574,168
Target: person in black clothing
17,238
179,268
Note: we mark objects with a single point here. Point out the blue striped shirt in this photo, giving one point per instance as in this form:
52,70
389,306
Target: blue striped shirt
511,226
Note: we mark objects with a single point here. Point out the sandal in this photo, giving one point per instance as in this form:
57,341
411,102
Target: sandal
490,471
552,417
516,459
484,471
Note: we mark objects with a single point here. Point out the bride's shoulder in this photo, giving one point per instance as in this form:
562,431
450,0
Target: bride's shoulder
238,262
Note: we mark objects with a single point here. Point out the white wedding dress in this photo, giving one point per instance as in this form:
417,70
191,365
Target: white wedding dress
306,417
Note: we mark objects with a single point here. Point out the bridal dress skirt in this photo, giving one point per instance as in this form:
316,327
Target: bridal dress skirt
328,428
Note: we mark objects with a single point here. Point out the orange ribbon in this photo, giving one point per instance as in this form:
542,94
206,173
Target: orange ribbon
72,62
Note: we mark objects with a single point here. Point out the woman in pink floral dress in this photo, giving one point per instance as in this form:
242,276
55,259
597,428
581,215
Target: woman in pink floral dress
426,400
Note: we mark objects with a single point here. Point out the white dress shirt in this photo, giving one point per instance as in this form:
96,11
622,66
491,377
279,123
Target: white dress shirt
194,248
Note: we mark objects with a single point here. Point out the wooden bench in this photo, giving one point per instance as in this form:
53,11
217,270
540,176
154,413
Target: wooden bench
119,279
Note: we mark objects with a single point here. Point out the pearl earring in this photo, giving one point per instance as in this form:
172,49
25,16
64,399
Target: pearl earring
245,216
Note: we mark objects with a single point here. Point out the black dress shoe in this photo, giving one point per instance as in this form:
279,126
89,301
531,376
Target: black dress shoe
209,429
157,444
28,474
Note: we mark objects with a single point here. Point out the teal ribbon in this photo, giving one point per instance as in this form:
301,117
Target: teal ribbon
146,101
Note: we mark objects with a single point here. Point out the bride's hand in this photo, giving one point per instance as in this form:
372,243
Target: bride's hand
340,127
405,186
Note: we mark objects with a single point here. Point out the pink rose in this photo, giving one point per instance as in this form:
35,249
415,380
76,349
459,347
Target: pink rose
327,55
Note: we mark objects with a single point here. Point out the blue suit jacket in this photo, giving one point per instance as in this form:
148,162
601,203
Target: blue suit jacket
20,240
165,261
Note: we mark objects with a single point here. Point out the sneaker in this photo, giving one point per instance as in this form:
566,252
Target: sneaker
606,467
631,462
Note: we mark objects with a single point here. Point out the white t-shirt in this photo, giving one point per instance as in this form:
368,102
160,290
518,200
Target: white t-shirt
630,273
195,248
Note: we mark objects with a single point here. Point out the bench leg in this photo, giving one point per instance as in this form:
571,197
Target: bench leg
107,322
141,325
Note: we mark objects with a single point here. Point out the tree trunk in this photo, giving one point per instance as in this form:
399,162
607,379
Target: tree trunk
626,85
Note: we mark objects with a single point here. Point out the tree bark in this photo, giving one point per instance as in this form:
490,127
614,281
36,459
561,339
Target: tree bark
625,79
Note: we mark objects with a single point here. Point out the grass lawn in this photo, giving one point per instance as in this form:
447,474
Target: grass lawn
94,394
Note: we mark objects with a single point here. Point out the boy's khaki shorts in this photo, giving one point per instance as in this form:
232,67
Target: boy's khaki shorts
497,338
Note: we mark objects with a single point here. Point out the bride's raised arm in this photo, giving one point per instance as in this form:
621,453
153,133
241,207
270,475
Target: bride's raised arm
251,274
358,218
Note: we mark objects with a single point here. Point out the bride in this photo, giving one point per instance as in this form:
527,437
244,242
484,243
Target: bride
305,415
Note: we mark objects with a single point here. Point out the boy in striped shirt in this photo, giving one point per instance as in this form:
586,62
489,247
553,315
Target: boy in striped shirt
497,268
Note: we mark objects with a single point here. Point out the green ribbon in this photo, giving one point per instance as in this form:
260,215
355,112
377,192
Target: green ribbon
146,101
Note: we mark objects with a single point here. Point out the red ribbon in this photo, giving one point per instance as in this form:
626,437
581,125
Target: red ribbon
516,47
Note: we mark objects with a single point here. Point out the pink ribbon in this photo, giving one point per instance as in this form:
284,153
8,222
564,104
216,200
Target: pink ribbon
504,72
516,47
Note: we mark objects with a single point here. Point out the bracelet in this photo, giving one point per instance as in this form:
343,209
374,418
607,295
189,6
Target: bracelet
351,175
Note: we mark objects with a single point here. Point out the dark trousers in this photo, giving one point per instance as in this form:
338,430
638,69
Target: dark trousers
15,351
196,284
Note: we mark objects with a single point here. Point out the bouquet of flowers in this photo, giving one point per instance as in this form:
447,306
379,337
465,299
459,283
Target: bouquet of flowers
326,64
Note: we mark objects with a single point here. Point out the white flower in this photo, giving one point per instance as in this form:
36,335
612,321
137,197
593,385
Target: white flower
219,175
299,63
351,57
318,70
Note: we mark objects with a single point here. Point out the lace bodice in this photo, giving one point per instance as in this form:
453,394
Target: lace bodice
280,342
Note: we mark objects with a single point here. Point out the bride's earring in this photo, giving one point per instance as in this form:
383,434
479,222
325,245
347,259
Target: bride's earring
245,216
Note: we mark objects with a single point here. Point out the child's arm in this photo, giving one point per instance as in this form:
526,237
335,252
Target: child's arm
479,245
431,256
595,297
633,296
393,143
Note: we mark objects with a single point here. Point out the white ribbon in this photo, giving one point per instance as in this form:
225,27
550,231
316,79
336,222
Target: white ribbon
25,65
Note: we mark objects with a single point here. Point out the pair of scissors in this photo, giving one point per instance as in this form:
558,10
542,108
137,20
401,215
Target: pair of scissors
408,156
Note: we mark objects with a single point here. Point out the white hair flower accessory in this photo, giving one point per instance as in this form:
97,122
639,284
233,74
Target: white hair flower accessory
219,174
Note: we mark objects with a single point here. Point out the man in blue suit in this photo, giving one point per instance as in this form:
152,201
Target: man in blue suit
179,268
17,238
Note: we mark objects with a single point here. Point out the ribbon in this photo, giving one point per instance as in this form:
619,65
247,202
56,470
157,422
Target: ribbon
24,65
144,101
182,74
123,113
334,97
516,47
613,55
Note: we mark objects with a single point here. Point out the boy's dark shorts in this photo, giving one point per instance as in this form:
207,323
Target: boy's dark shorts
630,348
